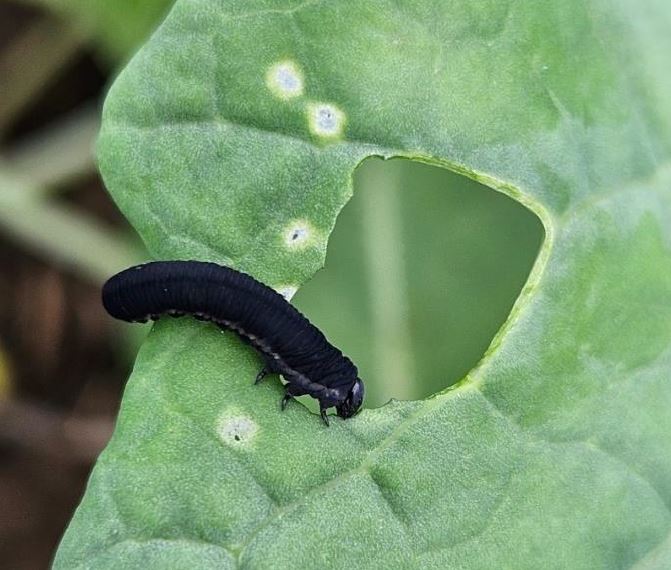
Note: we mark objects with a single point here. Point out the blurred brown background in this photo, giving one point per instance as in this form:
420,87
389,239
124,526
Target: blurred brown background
422,269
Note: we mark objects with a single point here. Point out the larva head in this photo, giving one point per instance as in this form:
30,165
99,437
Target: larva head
353,401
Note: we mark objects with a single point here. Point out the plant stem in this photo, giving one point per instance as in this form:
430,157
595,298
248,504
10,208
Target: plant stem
61,233
58,154
382,235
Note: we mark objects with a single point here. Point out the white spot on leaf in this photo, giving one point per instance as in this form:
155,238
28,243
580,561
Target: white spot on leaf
298,234
285,80
287,291
236,430
325,120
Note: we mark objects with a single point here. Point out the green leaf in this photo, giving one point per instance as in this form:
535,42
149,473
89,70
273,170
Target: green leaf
240,122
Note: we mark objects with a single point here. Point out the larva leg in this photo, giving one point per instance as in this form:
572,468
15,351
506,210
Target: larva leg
325,418
261,375
290,393
269,368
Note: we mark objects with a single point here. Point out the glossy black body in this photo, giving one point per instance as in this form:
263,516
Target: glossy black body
288,342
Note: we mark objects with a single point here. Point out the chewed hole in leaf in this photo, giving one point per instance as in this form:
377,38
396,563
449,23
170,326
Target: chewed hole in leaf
422,270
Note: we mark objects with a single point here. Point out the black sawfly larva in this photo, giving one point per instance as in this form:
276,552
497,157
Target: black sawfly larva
289,344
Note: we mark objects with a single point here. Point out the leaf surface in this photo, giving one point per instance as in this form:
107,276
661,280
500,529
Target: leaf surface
237,127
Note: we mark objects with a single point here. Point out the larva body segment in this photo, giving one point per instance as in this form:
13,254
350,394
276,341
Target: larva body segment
288,342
